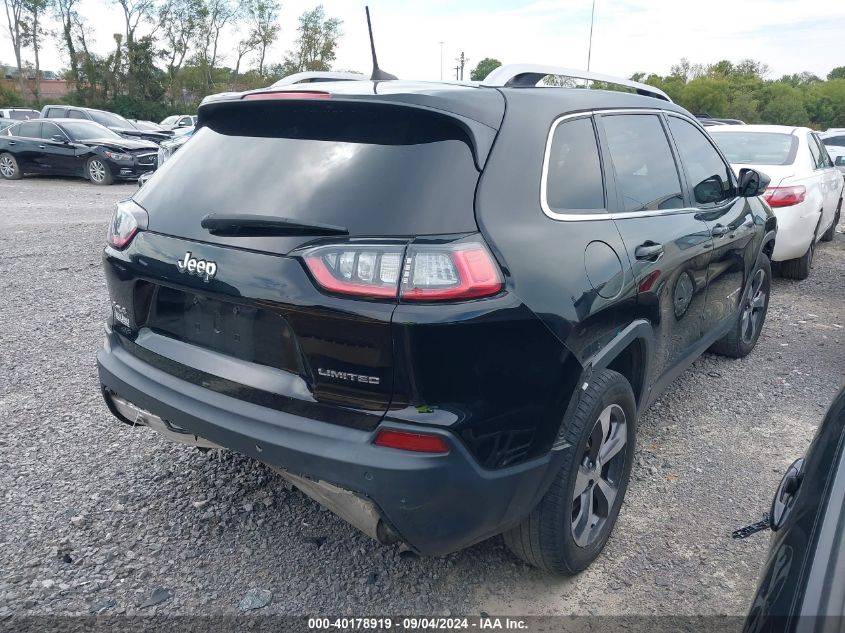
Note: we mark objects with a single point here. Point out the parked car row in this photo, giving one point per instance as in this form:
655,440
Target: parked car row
95,144
73,147
112,121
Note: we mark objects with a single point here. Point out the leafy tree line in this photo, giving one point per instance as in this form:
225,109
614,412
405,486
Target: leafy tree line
742,91
745,91
168,55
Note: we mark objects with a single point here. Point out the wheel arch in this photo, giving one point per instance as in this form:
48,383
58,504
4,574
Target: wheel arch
768,244
629,353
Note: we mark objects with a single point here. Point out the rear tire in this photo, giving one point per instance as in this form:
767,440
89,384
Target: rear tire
831,231
98,171
799,268
743,336
570,526
9,168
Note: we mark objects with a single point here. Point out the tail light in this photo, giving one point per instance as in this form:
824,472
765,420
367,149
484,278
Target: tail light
407,441
128,218
426,272
785,196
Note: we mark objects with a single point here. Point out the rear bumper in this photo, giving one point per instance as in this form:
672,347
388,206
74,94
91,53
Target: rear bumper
796,230
437,504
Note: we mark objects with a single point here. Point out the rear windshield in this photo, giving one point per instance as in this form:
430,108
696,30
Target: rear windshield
757,148
23,115
372,169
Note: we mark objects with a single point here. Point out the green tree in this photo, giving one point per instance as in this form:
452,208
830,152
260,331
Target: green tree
15,18
744,106
801,79
177,21
484,68
706,95
826,104
65,11
837,73
784,105
316,44
263,16
721,69
33,36
751,67
213,16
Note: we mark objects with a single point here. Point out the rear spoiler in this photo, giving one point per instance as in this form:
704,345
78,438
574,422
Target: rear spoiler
232,114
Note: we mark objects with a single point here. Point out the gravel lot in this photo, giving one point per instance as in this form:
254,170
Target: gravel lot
95,516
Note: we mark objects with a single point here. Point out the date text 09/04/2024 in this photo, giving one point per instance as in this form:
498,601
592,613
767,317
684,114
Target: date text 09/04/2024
417,623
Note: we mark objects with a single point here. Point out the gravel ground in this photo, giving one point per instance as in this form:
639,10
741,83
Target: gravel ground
98,517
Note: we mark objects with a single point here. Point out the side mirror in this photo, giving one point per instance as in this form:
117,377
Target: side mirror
58,138
840,161
785,495
709,190
752,183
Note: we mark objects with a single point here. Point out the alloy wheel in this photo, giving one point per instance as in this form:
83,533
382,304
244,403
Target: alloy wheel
599,475
97,171
752,313
7,167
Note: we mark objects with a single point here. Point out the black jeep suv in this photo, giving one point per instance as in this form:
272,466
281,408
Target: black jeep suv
438,309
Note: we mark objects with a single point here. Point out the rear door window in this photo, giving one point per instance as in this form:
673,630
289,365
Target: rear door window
707,172
573,177
646,174
29,129
824,158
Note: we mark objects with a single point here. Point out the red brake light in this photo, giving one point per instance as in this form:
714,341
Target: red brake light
406,441
785,196
128,218
426,272
462,271
286,94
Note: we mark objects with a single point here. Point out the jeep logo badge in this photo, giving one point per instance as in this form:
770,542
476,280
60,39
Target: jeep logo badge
200,267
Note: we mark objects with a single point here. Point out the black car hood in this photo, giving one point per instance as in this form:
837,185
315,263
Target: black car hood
122,145
141,133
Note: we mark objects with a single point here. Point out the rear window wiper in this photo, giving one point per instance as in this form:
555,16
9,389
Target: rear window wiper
251,225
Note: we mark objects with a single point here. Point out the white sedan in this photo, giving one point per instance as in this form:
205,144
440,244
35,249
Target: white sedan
805,191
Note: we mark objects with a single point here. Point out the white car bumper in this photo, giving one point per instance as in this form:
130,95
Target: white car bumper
796,229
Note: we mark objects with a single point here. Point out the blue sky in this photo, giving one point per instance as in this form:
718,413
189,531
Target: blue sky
629,35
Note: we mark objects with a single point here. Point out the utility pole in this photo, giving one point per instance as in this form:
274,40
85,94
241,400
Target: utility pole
441,61
462,60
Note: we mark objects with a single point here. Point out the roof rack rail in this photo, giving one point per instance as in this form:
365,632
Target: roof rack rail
527,75
313,76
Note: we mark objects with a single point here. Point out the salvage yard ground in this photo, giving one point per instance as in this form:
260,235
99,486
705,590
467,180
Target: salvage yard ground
95,516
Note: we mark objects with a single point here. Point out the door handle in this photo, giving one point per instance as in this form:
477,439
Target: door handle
42,147
12,143
649,251
718,230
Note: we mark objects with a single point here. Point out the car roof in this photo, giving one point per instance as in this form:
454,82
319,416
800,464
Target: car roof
469,99
777,129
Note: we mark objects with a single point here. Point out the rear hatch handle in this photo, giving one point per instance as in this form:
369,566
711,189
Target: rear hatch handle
252,225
